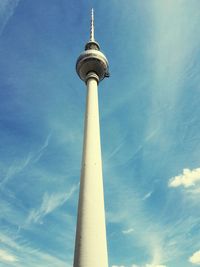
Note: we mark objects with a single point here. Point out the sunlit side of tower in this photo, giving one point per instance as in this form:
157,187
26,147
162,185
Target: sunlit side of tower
91,244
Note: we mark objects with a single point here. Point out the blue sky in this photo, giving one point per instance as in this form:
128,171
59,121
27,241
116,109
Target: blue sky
150,127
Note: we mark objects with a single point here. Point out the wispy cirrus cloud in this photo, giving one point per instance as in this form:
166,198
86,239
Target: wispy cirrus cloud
38,154
6,256
19,165
187,179
50,202
16,167
148,195
127,231
163,240
138,224
195,258
19,253
7,9
172,56
146,265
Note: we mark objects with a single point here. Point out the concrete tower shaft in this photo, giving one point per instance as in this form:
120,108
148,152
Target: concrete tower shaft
91,244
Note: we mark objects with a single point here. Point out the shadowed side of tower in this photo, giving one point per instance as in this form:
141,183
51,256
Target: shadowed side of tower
91,244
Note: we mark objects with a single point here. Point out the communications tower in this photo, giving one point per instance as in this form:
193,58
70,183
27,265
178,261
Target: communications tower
91,244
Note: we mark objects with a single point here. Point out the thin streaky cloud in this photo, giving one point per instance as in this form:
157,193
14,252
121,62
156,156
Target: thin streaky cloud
148,195
6,256
115,150
7,9
16,167
25,255
128,231
41,151
146,265
19,165
155,265
50,202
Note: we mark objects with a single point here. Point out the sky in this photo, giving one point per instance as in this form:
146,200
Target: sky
150,130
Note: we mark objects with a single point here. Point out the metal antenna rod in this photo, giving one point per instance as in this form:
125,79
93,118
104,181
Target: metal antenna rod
92,26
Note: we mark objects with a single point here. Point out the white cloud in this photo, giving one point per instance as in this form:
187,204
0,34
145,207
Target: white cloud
17,167
6,256
24,253
41,151
20,164
7,9
147,195
147,265
155,238
187,178
128,231
195,258
153,265
49,203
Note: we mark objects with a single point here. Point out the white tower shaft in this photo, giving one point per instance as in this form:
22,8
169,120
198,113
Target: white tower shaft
91,245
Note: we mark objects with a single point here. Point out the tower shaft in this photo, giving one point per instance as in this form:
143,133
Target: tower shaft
91,245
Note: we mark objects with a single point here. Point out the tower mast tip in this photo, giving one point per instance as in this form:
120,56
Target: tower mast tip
92,26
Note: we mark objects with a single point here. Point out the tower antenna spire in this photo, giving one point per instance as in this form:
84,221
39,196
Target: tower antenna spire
92,26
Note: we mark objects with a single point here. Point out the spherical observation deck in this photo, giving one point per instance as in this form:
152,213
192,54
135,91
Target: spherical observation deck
92,60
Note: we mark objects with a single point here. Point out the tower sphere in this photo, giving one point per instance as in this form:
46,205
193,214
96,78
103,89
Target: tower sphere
92,60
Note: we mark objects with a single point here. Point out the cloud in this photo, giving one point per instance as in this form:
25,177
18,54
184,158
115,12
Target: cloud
160,240
9,241
147,265
116,149
49,203
195,258
15,168
7,9
6,256
20,164
128,231
41,151
187,178
147,195
25,255
170,68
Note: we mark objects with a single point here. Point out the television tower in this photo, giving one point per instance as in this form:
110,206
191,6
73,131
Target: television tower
91,244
